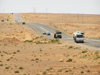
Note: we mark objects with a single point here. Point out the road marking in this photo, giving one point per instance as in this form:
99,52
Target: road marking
46,30
43,29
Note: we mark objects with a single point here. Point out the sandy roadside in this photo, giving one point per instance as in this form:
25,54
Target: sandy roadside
25,52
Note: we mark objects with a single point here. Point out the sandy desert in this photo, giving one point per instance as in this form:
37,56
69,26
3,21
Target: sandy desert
23,51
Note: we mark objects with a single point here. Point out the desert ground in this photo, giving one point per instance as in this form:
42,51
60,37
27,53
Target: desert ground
23,51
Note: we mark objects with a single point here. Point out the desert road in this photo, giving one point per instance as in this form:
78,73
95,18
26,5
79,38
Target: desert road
66,37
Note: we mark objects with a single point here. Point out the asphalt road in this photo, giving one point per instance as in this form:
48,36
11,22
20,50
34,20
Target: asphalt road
17,18
66,37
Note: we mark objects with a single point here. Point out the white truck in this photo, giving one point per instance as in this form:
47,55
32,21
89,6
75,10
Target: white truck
78,36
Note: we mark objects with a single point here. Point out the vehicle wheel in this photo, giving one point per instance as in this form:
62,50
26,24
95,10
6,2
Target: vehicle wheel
76,41
54,36
60,36
82,41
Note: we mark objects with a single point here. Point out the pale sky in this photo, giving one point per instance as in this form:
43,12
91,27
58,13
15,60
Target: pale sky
50,6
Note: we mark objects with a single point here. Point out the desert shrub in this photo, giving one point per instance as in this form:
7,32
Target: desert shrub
5,44
18,50
97,57
21,32
13,37
84,51
69,60
10,23
70,47
69,70
84,56
1,64
36,37
98,71
98,62
96,53
88,70
44,72
34,55
5,52
82,72
77,48
20,67
38,42
50,67
6,67
37,59
16,71
51,41
33,39
60,70
32,59
66,71
8,59
54,40
48,59
11,57
28,41
40,49
2,55
14,52
47,69
41,36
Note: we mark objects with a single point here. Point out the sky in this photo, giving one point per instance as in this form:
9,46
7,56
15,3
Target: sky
50,6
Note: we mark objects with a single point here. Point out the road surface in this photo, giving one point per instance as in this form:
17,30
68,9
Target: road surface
66,37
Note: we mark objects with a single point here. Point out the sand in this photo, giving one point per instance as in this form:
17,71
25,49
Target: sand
23,51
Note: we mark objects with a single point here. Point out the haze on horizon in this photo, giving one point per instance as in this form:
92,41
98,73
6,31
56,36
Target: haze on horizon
50,6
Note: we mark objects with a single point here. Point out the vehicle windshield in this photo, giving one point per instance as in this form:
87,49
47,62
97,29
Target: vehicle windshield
58,32
82,33
80,36
48,33
44,32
